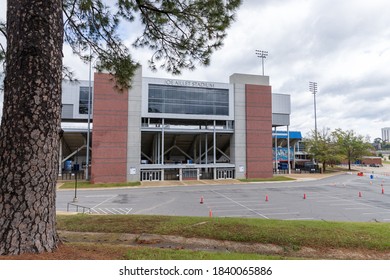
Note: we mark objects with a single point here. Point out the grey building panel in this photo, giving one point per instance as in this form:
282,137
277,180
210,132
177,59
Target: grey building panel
247,79
67,111
238,140
134,128
71,95
281,104
280,119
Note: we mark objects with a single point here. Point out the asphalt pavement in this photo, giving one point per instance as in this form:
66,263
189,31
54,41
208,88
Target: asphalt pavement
343,197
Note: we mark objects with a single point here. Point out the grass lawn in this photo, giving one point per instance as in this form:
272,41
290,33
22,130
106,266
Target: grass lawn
290,235
88,185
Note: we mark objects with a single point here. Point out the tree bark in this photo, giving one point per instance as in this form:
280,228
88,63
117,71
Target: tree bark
30,128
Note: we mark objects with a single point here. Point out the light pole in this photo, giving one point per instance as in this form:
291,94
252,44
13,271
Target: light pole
75,169
262,55
89,114
313,89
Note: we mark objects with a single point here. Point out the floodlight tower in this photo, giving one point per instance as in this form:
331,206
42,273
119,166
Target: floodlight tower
313,89
262,55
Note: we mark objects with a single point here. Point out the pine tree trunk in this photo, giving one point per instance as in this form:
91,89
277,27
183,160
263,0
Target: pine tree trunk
30,128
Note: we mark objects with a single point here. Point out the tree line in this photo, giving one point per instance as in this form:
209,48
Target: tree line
332,147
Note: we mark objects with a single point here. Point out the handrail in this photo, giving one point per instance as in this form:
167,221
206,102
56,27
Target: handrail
79,206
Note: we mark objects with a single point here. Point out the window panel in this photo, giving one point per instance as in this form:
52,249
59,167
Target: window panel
188,100
83,100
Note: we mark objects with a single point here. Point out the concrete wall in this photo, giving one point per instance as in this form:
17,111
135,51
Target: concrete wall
71,96
251,143
238,140
134,128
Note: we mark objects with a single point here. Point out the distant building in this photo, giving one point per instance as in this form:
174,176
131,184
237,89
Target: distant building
284,141
386,134
372,161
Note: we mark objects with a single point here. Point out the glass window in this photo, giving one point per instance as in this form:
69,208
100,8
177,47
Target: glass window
188,100
83,100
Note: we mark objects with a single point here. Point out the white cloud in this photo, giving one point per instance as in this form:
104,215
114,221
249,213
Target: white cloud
344,46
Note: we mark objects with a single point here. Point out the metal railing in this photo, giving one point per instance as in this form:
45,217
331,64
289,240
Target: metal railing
86,210
69,175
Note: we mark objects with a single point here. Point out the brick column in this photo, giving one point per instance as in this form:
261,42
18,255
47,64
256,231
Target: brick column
109,137
258,103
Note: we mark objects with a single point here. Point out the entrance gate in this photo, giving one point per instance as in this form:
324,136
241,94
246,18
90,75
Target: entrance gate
151,175
190,174
227,173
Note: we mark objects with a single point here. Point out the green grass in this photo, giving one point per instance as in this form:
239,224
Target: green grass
88,185
273,179
123,252
289,234
173,254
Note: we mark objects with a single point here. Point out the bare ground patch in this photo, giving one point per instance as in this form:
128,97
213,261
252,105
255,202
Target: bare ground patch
113,246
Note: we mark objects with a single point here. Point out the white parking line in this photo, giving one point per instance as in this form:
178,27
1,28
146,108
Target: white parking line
102,211
108,210
104,201
117,211
238,210
94,210
286,213
114,211
357,208
265,217
372,213
293,219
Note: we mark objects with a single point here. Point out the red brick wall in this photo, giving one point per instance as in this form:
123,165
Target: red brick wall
109,134
258,131
372,160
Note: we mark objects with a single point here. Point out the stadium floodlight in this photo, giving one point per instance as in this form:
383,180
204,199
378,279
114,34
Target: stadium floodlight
314,89
262,55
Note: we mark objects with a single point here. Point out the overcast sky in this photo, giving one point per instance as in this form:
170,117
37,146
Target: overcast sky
344,46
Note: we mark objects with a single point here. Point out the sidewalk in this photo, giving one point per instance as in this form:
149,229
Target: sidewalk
189,183
312,176
298,177
168,183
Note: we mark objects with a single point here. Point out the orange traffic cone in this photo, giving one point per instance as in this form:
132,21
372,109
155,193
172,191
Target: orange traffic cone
266,198
304,196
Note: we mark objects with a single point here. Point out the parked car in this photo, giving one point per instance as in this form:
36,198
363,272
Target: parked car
311,167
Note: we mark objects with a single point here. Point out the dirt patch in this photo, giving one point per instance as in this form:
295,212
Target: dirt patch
70,251
103,246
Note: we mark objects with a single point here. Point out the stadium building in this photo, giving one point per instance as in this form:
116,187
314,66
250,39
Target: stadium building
170,129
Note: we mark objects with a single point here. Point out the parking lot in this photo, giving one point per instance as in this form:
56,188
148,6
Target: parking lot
344,197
